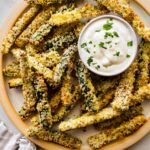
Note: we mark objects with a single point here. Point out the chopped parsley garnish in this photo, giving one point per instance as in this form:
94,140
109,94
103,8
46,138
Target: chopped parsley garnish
97,67
108,34
128,56
97,30
108,42
87,50
94,45
117,53
116,34
83,45
90,60
108,25
110,46
90,42
101,44
130,43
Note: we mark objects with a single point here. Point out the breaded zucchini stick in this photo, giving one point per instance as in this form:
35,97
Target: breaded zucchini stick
63,139
46,2
112,134
14,83
41,69
19,26
29,94
133,112
125,88
45,29
64,62
17,52
48,59
69,17
12,70
39,20
122,7
43,106
91,103
60,41
144,62
55,101
65,110
86,120
139,96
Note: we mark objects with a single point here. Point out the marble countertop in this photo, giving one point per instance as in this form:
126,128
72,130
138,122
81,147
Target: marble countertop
5,8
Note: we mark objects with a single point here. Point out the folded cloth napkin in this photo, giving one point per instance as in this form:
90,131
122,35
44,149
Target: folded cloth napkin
10,141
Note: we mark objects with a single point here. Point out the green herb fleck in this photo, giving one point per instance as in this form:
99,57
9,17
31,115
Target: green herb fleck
97,67
90,60
108,42
90,42
130,43
117,53
110,46
108,34
97,30
83,45
116,34
108,25
101,44
128,56
87,50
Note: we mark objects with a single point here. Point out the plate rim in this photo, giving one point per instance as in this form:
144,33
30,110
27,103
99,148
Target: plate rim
22,126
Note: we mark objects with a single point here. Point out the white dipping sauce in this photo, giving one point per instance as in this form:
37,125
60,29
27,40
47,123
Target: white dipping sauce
107,45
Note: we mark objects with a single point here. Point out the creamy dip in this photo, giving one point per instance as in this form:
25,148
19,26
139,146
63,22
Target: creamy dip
107,45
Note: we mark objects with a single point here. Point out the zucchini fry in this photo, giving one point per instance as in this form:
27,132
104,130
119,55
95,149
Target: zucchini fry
19,26
112,134
39,20
43,106
46,2
14,83
122,7
69,17
133,112
65,110
12,70
64,62
139,96
60,41
55,101
45,29
29,93
144,62
125,88
91,103
86,120
17,52
41,69
64,139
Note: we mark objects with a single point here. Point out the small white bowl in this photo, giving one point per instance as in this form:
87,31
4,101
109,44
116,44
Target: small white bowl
134,37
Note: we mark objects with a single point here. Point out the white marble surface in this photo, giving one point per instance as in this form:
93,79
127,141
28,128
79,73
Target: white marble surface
5,8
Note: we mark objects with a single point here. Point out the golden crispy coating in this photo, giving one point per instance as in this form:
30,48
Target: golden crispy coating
125,88
112,134
69,17
14,83
86,120
64,62
12,70
29,93
46,2
91,103
39,20
46,28
65,110
122,7
64,139
144,62
17,52
133,112
19,26
43,106
55,101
